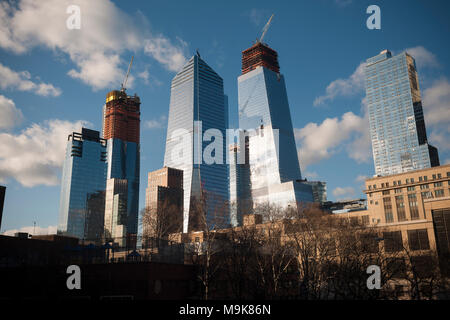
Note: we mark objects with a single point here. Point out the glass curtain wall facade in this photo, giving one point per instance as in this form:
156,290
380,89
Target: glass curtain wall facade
397,125
240,196
116,204
83,180
264,114
197,104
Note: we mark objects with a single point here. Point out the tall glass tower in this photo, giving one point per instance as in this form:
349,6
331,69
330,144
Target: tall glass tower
397,125
82,201
121,125
197,106
264,114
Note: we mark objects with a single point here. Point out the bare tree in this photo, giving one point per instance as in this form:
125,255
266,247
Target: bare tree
159,222
208,216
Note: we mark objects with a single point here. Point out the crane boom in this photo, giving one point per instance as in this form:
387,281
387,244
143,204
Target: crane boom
126,76
266,27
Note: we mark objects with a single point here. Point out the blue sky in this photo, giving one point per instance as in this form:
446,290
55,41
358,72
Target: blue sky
53,80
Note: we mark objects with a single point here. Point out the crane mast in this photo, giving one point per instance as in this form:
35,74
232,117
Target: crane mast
266,27
126,76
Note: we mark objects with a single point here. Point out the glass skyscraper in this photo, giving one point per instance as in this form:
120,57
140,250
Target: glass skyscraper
265,117
240,196
83,185
197,104
121,125
397,125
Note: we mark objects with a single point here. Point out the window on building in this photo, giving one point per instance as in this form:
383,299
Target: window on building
395,267
438,184
407,180
439,176
441,223
393,241
401,214
412,188
395,183
412,180
399,182
427,195
413,207
398,190
424,186
388,210
382,185
420,179
368,242
425,178
386,192
365,220
418,239
439,193
434,176
421,265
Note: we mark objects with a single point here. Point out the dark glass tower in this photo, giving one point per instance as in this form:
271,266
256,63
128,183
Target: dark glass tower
82,202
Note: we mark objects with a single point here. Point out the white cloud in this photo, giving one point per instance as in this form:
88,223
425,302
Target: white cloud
436,107
257,16
361,178
343,193
95,49
10,79
35,156
355,83
144,75
423,57
10,115
32,230
318,142
343,87
310,175
156,123
436,103
162,50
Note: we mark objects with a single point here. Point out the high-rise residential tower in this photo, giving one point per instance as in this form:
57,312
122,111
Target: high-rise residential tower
198,107
397,125
264,114
121,125
83,180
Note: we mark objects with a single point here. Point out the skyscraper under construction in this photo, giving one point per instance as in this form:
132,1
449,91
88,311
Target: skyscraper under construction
265,117
121,124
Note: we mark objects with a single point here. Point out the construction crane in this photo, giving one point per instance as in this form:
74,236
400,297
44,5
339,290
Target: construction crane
266,27
124,83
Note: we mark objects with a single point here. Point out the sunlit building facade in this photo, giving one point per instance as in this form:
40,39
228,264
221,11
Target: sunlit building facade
264,114
397,125
83,179
197,104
